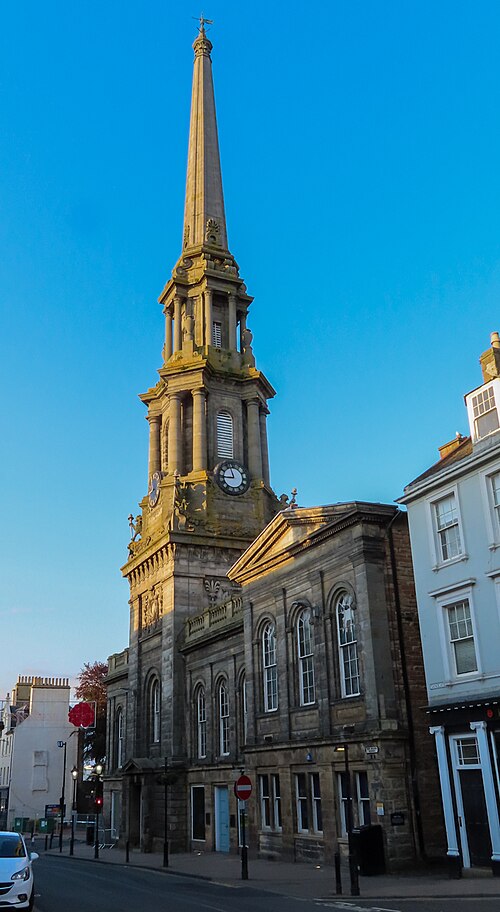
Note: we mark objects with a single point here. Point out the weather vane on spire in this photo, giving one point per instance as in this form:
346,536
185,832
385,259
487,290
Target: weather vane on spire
202,22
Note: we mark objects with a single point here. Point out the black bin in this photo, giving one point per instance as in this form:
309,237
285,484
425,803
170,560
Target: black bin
90,834
368,849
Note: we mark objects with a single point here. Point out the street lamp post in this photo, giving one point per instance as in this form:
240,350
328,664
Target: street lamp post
97,805
74,774
61,800
353,867
63,744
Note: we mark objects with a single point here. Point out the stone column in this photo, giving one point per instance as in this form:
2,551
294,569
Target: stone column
254,448
207,295
446,797
199,431
167,351
177,324
232,322
154,444
489,792
174,435
263,446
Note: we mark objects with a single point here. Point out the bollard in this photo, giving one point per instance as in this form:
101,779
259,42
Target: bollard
353,873
51,838
46,841
338,876
127,852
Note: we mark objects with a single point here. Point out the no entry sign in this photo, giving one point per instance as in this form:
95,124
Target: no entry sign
243,788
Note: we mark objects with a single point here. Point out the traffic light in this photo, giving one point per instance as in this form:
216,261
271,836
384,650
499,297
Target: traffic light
98,797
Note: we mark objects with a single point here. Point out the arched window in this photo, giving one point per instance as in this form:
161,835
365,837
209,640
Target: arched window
223,719
201,723
269,669
119,745
244,707
305,657
225,435
155,711
348,646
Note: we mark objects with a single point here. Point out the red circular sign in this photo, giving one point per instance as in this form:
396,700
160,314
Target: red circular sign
82,715
243,788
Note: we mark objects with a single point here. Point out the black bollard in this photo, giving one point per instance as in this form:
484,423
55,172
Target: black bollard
338,876
46,841
127,852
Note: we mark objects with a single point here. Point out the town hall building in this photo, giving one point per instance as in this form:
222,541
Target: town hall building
264,637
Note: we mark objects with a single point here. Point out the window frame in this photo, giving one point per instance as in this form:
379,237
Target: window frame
201,722
270,668
155,711
436,542
305,659
363,801
491,510
265,801
119,740
301,802
223,713
445,601
308,805
348,648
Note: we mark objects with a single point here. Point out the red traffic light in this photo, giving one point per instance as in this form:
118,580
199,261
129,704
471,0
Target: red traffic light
98,802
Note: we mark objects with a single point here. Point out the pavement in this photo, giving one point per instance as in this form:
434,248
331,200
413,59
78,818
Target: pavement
300,880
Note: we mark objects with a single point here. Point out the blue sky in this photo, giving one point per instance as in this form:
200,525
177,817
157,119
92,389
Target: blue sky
360,144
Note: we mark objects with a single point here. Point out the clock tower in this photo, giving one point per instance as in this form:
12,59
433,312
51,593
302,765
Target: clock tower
209,493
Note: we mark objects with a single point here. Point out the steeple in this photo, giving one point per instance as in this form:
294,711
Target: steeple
204,216
209,407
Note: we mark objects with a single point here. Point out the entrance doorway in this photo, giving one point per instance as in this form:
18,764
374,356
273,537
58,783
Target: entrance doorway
221,818
471,802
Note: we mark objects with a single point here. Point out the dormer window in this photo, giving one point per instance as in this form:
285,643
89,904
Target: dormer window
485,412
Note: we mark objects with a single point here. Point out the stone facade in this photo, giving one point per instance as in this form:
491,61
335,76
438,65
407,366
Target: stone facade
216,564
309,560
208,496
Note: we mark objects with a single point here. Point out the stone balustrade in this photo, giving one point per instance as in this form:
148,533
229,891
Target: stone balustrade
214,617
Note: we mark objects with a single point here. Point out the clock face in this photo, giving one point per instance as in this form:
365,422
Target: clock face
154,489
232,477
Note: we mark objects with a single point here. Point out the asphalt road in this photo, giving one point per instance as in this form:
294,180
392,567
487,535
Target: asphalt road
67,885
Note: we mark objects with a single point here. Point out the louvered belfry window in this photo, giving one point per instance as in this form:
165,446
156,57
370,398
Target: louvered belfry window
217,334
225,435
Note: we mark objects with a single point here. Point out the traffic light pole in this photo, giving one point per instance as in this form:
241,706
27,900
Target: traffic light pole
96,834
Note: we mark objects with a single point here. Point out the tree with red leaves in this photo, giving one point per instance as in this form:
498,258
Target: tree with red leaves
91,688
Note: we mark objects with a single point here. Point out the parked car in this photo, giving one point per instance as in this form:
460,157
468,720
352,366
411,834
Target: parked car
17,888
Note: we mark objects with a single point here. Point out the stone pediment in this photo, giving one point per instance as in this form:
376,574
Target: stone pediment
142,765
295,529
278,542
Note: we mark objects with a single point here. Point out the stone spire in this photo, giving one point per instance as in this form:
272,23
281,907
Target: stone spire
204,216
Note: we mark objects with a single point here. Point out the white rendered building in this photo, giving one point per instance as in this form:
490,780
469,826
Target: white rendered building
454,517
35,720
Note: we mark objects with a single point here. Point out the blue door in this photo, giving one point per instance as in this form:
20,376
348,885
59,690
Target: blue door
221,818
